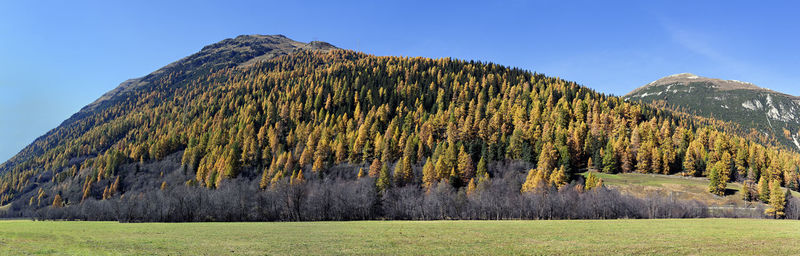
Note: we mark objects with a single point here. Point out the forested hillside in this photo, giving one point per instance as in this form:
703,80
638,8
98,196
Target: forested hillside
762,113
359,136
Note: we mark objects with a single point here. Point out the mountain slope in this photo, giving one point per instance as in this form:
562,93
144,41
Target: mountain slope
773,113
244,50
245,117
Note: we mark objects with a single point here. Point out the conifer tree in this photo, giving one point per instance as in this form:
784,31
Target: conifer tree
591,181
384,179
465,166
375,168
57,201
689,168
482,168
428,173
403,173
299,178
777,201
763,189
471,186
610,164
558,178
360,173
717,184
531,182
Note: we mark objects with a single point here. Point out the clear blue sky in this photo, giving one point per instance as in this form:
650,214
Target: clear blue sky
57,56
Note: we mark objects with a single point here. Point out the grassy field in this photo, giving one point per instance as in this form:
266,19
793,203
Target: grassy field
671,236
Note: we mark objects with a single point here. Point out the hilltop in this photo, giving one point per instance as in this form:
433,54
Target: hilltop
775,114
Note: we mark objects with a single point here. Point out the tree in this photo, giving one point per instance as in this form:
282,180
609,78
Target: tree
57,201
777,201
375,168
384,179
482,169
592,181
717,184
643,158
610,164
689,168
428,173
360,173
471,186
748,190
558,178
404,173
726,167
536,179
465,165
299,178
547,159
763,189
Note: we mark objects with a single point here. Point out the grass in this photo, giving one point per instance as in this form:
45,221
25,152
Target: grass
591,237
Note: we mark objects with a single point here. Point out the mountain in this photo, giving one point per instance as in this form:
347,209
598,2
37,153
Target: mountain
242,51
267,128
772,113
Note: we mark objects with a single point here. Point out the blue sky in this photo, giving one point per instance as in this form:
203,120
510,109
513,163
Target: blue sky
58,56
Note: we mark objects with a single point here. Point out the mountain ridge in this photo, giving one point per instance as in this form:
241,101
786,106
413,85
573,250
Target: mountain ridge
722,84
767,111
242,51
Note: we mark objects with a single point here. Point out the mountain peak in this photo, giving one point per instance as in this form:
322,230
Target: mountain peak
768,112
685,79
243,50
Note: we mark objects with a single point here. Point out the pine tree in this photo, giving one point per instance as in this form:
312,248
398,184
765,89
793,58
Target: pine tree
627,159
547,159
610,164
591,181
643,158
726,167
763,189
482,168
57,201
360,173
375,168
265,179
428,173
465,166
777,201
384,179
403,173
530,183
689,168
471,186
558,178
442,172
717,184
299,178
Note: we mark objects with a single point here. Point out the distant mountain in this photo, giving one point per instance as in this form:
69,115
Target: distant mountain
769,112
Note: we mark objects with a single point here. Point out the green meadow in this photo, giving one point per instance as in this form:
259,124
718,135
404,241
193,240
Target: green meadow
570,237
